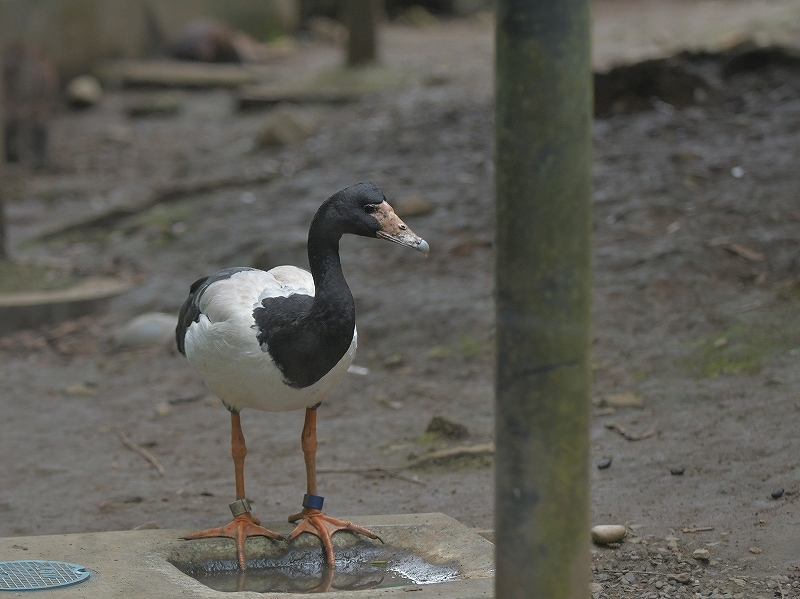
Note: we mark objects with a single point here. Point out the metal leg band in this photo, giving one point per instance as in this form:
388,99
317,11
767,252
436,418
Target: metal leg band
313,501
239,507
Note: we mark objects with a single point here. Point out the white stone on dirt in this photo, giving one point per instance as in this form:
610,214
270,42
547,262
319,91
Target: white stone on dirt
603,534
150,329
84,91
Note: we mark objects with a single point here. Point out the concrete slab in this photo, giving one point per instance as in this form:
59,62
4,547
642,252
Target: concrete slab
31,309
137,563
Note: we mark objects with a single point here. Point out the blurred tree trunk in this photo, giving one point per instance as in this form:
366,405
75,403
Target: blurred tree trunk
3,254
543,177
361,19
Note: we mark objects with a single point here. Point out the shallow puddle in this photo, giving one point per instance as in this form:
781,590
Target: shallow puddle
302,570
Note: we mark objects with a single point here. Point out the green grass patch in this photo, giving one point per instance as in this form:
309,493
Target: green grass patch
161,216
461,462
746,345
17,277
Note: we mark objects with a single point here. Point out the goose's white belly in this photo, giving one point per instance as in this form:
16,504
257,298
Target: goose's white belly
230,361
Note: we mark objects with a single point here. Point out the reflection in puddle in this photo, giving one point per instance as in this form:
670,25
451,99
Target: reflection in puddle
303,570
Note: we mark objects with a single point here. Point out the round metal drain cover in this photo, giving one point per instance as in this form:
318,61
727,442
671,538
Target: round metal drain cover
34,574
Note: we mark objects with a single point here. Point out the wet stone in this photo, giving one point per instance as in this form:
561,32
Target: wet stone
604,463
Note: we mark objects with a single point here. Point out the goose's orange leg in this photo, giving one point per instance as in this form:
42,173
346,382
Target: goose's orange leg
313,520
244,524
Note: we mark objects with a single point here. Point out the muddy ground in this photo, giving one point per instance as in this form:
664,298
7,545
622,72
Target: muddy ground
697,295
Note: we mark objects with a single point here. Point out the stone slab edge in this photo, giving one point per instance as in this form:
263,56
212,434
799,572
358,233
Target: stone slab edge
133,563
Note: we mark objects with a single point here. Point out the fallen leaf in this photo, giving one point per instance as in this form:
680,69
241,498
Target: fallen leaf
80,389
626,399
737,248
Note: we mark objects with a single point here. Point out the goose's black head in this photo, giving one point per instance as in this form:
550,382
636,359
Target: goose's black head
362,210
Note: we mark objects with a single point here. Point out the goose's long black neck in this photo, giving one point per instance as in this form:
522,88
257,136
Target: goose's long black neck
326,269
307,338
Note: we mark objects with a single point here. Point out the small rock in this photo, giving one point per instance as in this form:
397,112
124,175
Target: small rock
677,471
603,534
604,463
659,584
755,550
148,526
163,409
84,91
447,428
596,587
682,577
284,126
150,329
154,104
777,493
207,40
394,361
327,30
120,134
701,554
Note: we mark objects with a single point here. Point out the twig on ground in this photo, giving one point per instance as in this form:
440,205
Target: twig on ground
141,451
430,394
442,454
697,529
453,452
365,469
634,572
631,436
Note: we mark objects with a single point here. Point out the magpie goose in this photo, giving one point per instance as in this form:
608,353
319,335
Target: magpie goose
281,340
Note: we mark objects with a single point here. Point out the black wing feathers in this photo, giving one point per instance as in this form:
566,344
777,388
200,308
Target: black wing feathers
278,312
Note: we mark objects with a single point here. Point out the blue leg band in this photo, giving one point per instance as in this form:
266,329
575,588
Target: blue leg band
313,501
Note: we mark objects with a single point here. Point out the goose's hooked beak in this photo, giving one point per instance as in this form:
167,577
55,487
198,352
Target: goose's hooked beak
394,229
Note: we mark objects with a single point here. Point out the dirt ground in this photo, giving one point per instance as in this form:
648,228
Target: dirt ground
697,296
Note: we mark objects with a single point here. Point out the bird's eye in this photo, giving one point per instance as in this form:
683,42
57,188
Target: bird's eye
370,208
